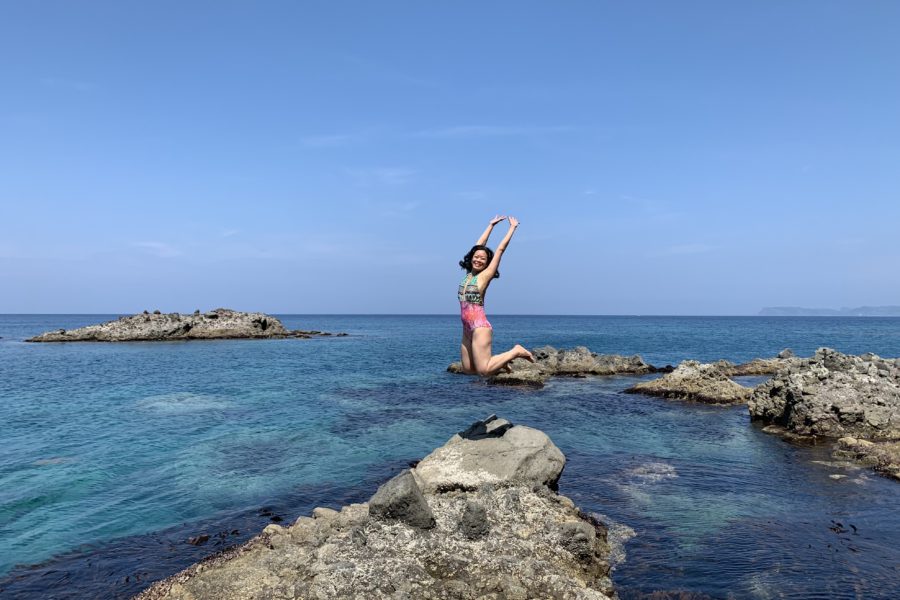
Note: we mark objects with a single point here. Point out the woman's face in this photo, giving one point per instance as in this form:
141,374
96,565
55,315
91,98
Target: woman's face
479,261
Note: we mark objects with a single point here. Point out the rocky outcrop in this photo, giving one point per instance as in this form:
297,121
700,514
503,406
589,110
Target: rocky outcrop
834,395
765,366
578,362
699,382
884,457
474,519
854,398
221,323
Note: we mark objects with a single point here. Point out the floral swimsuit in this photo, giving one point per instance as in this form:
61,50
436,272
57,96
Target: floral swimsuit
471,305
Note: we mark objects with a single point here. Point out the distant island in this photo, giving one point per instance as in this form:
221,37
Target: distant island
862,311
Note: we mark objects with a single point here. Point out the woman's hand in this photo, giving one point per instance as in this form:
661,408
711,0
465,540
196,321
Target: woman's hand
497,219
513,222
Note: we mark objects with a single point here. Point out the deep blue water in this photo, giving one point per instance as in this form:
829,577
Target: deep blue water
113,455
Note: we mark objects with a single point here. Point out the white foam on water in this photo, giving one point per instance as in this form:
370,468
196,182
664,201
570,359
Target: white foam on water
652,472
182,402
616,537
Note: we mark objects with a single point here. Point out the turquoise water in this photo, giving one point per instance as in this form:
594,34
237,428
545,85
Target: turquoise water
114,454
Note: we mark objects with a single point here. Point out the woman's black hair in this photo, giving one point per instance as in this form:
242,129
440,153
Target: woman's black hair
466,262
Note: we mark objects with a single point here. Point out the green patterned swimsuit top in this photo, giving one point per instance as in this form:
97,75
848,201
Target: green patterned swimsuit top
468,290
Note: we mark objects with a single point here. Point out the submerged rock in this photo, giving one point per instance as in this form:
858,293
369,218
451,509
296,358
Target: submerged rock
221,323
498,532
884,457
577,362
698,382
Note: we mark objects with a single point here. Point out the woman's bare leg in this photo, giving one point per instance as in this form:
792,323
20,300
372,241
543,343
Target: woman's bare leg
466,355
486,364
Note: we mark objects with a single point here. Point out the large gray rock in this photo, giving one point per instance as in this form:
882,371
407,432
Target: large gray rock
402,500
520,456
518,540
221,323
835,395
699,382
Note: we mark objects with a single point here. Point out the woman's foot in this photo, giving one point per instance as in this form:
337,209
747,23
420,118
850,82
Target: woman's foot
523,352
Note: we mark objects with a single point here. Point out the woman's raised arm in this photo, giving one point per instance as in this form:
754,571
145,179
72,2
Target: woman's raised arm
491,269
482,241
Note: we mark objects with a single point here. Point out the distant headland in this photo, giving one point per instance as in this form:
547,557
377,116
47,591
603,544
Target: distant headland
861,311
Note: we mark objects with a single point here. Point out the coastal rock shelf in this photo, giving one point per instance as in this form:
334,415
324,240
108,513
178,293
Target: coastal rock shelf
834,395
578,362
855,398
221,323
708,383
477,518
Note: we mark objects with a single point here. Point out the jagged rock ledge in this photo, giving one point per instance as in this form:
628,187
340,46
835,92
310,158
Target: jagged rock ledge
578,362
835,395
708,383
477,518
711,383
221,323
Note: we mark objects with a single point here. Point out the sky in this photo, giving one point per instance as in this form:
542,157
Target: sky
683,158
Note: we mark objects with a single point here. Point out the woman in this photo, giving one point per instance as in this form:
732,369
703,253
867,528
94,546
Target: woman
481,265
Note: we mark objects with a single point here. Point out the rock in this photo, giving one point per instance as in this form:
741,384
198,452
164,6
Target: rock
511,539
520,455
402,500
474,522
578,362
833,395
198,540
884,457
691,380
766,366
220,323
854,398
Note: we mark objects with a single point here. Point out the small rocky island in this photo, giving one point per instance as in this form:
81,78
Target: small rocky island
477,518
854,399
218,324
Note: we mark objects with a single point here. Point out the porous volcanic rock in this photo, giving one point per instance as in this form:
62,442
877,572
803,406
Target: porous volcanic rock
506,535
221,323
884,457
698,382
766,366
577,362
835,395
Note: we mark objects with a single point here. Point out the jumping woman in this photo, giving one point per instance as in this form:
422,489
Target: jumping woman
481,264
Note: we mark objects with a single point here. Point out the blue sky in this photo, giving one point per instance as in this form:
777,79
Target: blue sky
312,157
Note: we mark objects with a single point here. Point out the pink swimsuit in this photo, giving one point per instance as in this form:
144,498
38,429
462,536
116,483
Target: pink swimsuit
471,305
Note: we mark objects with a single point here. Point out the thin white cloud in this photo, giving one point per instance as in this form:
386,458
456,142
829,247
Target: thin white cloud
330,140
227,233
399,209
474,195
682,249
160,249
472,131
62,83
382,175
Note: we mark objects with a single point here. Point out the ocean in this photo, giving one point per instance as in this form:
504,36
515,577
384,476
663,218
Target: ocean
115,455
